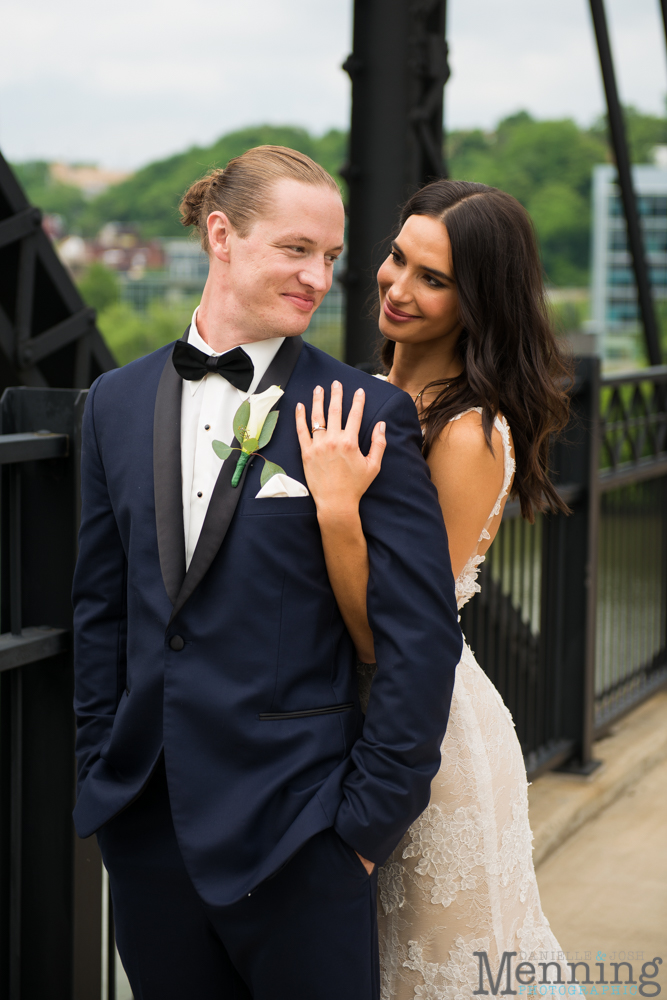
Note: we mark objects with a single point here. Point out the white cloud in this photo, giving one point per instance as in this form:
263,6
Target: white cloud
541,55
126,82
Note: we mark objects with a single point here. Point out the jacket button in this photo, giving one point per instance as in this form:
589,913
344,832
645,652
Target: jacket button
176,643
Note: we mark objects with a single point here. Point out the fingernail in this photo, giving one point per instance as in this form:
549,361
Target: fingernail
318,389
359,392
335,385
383,426
299,406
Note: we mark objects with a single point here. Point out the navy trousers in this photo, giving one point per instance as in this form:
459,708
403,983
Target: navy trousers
307,933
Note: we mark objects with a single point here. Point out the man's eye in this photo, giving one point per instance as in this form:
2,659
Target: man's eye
298,249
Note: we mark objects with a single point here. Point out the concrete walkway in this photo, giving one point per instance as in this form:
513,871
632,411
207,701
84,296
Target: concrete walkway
605,889
601,844
561,803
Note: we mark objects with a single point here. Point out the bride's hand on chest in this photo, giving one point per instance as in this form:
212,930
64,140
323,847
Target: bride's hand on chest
337,472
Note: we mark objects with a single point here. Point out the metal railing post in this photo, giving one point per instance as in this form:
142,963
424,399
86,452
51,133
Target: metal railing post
16,738
15,833
570,570
587,763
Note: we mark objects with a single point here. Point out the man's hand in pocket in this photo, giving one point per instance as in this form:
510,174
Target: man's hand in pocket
368,865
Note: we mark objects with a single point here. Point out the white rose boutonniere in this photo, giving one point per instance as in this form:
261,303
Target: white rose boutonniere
254,424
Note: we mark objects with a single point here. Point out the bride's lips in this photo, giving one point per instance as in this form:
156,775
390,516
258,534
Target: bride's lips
397,315
300,301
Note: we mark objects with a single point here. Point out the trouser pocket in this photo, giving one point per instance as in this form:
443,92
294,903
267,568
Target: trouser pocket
352,856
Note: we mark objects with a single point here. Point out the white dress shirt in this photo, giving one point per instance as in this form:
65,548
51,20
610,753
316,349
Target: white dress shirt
207,413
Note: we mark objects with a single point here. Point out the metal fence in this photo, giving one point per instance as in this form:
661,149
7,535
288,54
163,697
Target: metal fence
50,881
571,623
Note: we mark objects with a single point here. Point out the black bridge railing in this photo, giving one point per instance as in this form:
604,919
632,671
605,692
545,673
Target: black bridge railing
50,882
571,623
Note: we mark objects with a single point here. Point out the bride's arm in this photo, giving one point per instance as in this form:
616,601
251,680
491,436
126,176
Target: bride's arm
338,475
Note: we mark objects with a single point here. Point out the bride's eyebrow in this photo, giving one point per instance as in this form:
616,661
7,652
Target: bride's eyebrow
424,267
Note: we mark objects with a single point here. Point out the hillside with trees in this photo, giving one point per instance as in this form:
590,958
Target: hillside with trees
547,165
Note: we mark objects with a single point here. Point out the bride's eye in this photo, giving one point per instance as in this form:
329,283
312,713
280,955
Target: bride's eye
433,282
395,256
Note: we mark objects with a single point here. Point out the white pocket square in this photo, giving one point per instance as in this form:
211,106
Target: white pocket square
282,486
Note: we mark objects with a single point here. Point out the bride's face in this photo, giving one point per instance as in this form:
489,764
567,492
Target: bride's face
418,297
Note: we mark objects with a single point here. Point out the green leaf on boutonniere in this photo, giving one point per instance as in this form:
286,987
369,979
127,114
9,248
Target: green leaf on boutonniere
222,450
250,445
268,428
241,418
270,469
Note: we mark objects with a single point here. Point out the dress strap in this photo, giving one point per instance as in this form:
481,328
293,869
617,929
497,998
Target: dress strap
509,465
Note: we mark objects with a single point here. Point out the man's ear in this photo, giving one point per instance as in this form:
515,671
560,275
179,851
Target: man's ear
219,230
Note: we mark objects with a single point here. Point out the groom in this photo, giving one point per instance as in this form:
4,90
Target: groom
240,798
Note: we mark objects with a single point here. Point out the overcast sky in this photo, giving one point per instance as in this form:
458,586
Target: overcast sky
126,82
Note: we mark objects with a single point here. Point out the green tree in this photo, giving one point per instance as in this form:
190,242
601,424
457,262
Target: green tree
152,195
547,166
562,219
99,286
53,198
131,334
644,132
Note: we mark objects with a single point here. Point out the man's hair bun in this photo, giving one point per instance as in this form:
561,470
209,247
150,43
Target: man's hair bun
195,197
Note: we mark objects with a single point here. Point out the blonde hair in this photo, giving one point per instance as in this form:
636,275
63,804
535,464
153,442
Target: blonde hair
242,189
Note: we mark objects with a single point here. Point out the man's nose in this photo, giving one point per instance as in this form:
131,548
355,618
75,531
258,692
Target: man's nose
316,275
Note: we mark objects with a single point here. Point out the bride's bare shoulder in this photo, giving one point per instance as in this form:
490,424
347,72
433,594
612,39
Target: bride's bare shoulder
461,452
465,434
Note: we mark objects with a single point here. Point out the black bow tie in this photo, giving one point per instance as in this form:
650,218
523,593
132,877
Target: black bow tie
192,364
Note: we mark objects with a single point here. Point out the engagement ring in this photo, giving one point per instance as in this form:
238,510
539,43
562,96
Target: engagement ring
318,427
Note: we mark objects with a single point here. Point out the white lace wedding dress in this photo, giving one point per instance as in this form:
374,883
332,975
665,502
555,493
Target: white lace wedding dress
462,878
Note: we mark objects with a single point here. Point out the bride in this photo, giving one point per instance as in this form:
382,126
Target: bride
466,334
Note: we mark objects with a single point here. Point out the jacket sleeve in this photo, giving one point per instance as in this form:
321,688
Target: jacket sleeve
99,597
412,613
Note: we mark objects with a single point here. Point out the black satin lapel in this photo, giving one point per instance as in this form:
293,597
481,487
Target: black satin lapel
167,479
282,366
225,497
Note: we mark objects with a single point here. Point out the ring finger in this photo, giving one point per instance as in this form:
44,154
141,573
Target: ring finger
317,414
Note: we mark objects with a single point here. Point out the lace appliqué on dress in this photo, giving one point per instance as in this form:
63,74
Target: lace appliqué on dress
449,849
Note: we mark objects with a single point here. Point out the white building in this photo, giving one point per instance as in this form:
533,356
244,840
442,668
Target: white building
614,308
186,263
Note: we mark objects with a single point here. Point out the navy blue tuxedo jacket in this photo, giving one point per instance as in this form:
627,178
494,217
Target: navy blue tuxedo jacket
257,713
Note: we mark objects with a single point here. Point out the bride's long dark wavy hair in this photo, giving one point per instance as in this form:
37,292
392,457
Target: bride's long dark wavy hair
511,360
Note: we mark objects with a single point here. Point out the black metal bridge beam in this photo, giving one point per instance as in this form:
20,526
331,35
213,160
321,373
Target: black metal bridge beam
48,337
398,69
628,196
